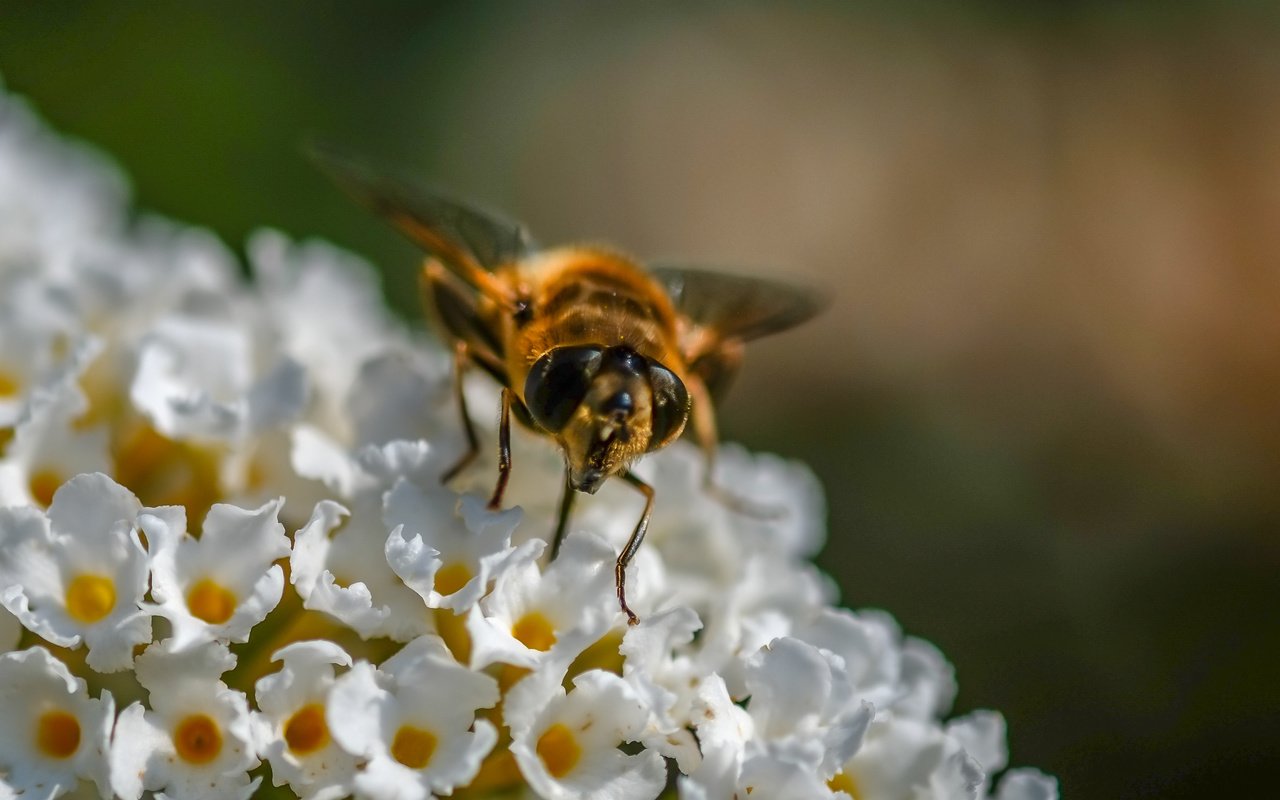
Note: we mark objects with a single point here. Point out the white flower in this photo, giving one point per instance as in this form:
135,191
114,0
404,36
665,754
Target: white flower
903,757
804,708
140,353
37,327
535,618
48,446
770,598
339,566
196,379
79,572
295,734
10,631
316,456
53,195
339,563
1027,784
446,548
405,395
784,775
723,730
196,741
219,586
908,676
982,735
703,539
413,722
791,517
301,284
569,748
52,733
662,672
802,723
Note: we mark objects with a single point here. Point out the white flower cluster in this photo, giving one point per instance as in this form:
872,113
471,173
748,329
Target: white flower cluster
227,561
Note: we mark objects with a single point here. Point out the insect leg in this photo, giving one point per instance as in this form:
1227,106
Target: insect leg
704,428
504,451
461,360
562,522
633,543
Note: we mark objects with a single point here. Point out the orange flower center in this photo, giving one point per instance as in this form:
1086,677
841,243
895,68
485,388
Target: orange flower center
42,484
58,734
843,782
10,385
197,739
452,577
559,750
211,602
413,747
90,598
306,731
534,631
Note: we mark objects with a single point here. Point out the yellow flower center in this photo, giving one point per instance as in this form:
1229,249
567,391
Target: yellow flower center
306,731
534,631
510,675
163,472
10,385
452,577
413,747
197,739
256,475
90,597
452,628
42,484
57,734
603,654
843,782
499,774
106,403
59,346
559,750
211,602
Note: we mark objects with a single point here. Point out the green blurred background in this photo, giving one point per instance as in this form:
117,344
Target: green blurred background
1044,401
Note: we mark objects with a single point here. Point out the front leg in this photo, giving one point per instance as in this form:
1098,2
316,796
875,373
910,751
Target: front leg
562,520
504,452
461,360
633,544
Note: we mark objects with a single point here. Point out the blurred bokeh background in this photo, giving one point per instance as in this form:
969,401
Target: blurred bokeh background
1045,400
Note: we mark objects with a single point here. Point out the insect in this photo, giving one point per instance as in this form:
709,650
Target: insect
607,358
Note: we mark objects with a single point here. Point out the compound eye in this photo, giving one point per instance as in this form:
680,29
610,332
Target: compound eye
670,406
558,383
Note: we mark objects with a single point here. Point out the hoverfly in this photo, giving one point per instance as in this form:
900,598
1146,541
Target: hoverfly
591,349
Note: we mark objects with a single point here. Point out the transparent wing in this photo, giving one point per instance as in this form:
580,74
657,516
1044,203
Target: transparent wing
723,311
462,236
735,306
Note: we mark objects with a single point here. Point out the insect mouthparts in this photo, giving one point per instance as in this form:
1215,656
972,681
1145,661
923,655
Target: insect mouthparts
589,481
